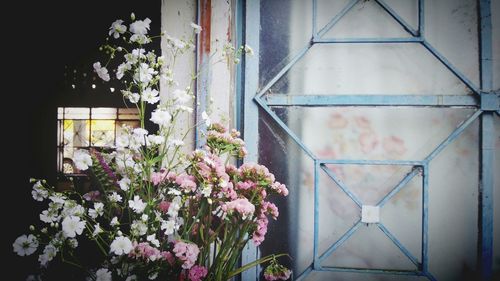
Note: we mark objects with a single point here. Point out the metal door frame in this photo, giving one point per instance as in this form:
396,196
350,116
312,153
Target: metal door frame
484,100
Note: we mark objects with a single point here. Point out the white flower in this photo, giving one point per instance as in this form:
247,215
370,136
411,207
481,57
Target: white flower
144,73
140,26
144,217
124,183
169,227
184,108
206,118
82,159
150,95
153,276
197,28
176,142
48,217
25,245
133,57
97,211
103,274
58,198
248,50
97,230
122,141
161,117
121,246
73,243
114,222
120,71
140,38
206,191
115,197
72,226
137,204
39,193
138,228
155,139
152,238
49,252
181,96
102,72
131,278
117,28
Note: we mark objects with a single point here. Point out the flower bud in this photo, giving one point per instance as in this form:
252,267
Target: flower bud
32,227
132,16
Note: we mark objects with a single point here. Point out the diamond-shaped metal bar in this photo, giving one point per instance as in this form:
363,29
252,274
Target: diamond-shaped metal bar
453,136
399,186
342,186
450,67
340,241
398,18
334,20
399,244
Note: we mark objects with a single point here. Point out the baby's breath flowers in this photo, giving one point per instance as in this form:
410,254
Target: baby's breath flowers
155,213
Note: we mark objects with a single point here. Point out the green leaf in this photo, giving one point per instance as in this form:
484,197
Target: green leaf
254,263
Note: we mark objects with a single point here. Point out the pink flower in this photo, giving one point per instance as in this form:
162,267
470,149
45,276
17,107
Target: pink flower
259,234
270,208
196,273
166,255
245,185
92,195
187,253
186,182
240,205
163,206
279,188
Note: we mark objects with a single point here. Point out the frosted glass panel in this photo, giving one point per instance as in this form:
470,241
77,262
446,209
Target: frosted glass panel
452,28
453,205
288,28
366,19
372,133
293,231
390,69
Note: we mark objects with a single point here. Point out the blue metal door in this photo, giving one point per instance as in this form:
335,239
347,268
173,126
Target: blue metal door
359,179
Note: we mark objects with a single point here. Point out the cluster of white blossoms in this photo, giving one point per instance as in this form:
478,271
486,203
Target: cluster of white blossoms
149,199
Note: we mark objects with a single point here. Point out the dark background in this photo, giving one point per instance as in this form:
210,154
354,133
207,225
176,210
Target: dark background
43,43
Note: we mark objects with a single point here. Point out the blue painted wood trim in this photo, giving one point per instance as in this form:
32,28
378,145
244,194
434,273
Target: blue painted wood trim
368,40
421,18
372,100
425,218
373,271
251,114
487,145
372,162
316,261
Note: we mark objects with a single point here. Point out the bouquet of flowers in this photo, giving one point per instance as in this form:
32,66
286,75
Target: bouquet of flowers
156,212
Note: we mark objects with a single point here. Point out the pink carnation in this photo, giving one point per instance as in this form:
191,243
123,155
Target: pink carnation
166,255
187,253
163,206
196,273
